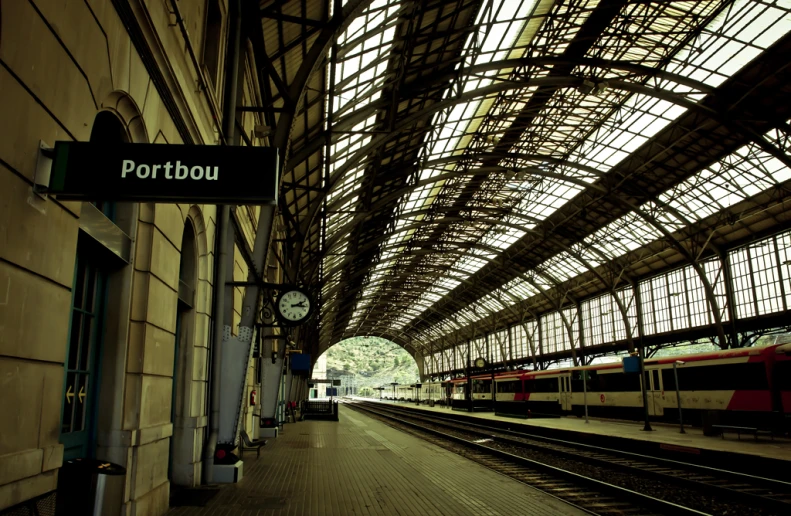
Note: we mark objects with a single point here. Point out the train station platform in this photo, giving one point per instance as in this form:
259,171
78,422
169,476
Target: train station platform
664,436
361,466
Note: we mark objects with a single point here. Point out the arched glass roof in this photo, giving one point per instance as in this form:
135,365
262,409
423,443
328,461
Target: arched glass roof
458,162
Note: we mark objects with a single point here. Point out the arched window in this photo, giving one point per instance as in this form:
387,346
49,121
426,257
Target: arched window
88,308
108,129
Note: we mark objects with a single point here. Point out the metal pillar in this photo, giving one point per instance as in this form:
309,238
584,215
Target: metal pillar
643,387
585,392
678,394
223,222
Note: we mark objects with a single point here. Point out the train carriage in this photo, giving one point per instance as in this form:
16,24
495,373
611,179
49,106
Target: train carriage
405,392
480,392
781,382
432,392
734,386
509,394
729,386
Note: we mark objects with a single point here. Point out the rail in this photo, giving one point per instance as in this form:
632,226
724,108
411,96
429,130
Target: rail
757,491
589,494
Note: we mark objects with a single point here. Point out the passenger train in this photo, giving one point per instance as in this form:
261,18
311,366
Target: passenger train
734,386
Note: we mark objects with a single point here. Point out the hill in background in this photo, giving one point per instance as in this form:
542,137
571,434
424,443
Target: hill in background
374,361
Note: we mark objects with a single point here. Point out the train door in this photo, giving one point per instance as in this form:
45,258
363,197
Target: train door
565,392
656,405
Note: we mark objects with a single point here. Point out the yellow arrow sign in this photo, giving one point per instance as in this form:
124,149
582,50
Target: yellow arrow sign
81,395
69,395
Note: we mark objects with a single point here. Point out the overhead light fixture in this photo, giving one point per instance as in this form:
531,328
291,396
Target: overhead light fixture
586,87
592,86
600,87
262,131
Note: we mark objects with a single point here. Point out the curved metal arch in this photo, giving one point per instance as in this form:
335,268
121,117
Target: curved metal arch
652,221
541,61
612,291
337,25
335,289
444,221
416,302
714,305
403,344
540,291
484,171
659,224
454,317
393,334
424,247
545,294
348,122
381,139
444,268
443,312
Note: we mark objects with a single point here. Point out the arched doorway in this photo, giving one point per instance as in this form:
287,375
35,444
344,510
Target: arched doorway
185,322
92,268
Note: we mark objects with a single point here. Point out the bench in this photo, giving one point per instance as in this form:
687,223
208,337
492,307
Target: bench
743,430
248,444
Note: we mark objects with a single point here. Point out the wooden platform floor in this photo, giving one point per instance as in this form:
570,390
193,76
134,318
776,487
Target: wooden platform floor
663,433
361,466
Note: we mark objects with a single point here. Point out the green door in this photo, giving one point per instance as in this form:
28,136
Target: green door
78,421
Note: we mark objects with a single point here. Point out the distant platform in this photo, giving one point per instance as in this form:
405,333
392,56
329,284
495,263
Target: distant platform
361,466
665,435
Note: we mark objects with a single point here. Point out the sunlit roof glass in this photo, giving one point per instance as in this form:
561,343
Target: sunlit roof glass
499,25
590,132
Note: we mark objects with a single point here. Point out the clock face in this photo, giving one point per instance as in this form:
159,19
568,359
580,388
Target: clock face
479,362
294,306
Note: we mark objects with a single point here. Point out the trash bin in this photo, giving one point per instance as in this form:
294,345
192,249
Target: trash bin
81,484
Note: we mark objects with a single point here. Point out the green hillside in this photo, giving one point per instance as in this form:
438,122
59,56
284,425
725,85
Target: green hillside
376,362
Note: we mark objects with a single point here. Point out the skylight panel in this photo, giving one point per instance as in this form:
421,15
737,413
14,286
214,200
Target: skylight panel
734,38
745,173
563,267
501,32
741,32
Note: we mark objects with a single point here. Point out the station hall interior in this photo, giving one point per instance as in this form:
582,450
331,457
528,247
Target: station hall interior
559,209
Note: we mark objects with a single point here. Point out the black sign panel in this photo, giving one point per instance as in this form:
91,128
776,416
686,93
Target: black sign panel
145,172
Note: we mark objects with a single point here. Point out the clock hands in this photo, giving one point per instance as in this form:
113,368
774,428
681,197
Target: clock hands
301,304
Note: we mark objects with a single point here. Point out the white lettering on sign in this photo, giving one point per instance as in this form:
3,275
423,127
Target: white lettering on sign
143,171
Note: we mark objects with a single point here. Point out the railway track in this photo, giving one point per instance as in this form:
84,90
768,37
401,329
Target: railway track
765,495
584,492
763,492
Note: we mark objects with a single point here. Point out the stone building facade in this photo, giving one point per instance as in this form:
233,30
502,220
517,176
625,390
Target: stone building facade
104,350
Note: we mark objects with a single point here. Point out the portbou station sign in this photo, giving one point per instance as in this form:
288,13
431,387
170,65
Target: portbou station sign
144,172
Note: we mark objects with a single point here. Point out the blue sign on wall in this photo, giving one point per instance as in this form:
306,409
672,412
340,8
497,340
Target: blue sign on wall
332,391
631,364
300,363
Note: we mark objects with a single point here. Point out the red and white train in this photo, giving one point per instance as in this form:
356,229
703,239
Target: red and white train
734,386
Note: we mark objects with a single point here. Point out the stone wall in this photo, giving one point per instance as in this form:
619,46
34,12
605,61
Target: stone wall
61,63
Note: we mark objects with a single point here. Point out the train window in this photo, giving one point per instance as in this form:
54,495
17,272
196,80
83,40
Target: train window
576,381
509,386
616,382
782,375
481,386
726,377
542,385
